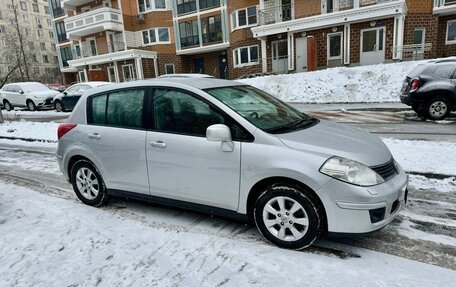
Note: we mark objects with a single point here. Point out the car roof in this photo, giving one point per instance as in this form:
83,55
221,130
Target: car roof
194,76
198,83
92,84
25,83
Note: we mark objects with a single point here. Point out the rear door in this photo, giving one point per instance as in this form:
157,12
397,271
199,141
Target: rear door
182,163
116,138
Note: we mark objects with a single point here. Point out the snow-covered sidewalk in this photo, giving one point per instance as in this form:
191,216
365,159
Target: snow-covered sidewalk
68,243
365,84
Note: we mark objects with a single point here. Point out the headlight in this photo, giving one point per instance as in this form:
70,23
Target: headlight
350,171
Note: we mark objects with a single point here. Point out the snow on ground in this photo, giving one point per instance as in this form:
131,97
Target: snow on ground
435,157
30,130
376,83
68,243
442,185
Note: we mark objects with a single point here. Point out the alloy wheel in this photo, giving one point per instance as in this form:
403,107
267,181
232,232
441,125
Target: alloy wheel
437,109
285,218
87,183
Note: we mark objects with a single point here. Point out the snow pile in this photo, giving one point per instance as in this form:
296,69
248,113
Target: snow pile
50,241
424,156
374,84
30,130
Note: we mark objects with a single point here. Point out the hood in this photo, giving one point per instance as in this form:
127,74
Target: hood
339,140
43,94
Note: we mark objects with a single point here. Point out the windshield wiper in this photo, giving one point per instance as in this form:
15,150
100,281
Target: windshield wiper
300,124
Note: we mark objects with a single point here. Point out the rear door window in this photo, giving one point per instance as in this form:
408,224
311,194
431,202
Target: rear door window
117,109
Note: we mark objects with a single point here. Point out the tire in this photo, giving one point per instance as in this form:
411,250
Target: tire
58,105
31,105
88,183
7,105
276,221
437,108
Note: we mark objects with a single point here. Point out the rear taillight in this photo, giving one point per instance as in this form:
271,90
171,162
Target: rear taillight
64,128
414,85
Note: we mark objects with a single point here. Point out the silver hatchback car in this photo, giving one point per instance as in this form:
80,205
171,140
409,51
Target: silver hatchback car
232,150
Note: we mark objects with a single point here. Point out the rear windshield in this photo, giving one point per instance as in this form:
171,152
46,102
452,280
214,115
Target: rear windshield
417,71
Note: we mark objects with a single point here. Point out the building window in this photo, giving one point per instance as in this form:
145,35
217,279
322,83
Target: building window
28,31
189,33
186,6
45,59
46,10
451,32
23,6
212,29
1,15
4,43
2,29
35,8
148,5
244,18
36,70
127,71
57,9
40,33
25,18
31,45
206,4
66,55
170,69
156,35
335,46
51,34
43,46
61,32
49,22
245,56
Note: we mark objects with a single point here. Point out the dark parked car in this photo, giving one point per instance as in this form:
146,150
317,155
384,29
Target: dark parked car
430,89
65,101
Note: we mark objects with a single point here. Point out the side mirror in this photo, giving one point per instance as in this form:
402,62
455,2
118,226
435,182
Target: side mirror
65,93
220,133
21,92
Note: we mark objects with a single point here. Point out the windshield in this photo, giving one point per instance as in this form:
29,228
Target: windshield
34,87
261,109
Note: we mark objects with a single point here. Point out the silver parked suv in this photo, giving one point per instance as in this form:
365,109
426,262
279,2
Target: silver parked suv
232,150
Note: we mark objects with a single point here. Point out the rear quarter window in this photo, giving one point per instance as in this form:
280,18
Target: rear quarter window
445,72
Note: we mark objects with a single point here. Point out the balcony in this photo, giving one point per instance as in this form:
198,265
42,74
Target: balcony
305,16
72,4
86,49
94,21
444,7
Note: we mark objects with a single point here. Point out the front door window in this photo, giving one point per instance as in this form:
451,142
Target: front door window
112,74
128,72
372,46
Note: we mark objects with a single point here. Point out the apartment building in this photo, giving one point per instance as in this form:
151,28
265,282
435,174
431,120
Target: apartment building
121,40
35,26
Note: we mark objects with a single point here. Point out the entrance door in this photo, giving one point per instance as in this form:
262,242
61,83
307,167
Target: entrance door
372,46
112,74
223,67
199,66
280,56
301,54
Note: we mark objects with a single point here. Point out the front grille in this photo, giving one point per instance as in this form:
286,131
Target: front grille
387,170
48,102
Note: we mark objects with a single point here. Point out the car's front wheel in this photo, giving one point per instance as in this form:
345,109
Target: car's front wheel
58,105
88,184
288,217
7,105
31,105
438,108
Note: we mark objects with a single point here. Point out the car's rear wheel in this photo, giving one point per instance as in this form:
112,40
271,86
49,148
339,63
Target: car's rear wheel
58,105
438,108
288,217
7,105
31,105
88,184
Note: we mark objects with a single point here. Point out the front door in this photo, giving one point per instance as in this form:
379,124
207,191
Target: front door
372,46
199,66
223,67
301,54
112,74
182,163
115,136
280,56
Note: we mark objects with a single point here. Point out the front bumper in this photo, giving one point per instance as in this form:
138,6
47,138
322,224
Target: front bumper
355,209
45,103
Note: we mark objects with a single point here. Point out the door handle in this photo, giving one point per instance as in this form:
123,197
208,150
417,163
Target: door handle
159,144
95,136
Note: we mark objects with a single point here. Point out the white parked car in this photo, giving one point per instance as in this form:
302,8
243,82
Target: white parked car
32,95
